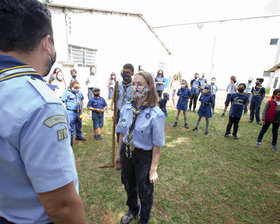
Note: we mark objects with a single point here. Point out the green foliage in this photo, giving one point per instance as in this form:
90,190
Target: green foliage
203,179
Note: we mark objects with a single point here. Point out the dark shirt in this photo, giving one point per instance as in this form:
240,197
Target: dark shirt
98,103
237,106
257,94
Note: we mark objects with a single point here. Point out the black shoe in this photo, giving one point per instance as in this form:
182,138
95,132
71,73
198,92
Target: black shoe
250,121
127,218
189,110
206,132
186,126
194,110
223,114
235,138
175,124
226,135
195,129
259,123
81,139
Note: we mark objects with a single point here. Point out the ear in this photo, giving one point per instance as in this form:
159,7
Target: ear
45,43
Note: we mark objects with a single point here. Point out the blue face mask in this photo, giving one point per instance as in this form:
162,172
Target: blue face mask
75,90
126,77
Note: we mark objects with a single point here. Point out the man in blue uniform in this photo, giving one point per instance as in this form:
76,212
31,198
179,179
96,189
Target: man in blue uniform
258,93
39,182
195,87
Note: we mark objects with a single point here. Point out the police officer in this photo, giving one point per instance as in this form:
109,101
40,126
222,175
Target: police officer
258,93
39,182
141,128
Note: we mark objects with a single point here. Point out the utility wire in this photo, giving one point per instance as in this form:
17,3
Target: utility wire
216,21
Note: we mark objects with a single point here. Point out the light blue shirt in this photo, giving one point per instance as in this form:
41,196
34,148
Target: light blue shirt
149,127
35,154
214,89
230,88
73,101
122,100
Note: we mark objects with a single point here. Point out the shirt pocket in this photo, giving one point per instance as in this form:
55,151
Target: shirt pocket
144,133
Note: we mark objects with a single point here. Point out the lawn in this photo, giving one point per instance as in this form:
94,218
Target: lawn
203,179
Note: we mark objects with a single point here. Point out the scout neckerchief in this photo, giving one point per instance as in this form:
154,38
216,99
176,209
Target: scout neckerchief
129,148
17,71
124,93
78,101
256,92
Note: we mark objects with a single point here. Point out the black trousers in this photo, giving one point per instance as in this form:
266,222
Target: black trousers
235,122
193,101
255,110
275,128
159,92
135,177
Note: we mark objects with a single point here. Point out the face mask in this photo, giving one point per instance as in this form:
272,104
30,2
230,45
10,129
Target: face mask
234,81
59,77
277,98
74,76
96,94
241,90
92,72
183,86
75,90
257,83
139,91
51,61
212,83
126,77
249,81
195,77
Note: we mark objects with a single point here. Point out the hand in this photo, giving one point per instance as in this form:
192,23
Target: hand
263,122
232,82
153,176
118,161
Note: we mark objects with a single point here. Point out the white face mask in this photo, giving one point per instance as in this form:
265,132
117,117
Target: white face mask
59,77
139,91
183,86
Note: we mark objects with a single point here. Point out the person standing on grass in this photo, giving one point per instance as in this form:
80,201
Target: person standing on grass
162,103
271,115
184,94
258,94
159,81
203,82
231,89
39,182
73,99
238,101
214,89
91,80
248,92
98,106
206,99
195,86
175,85
141,127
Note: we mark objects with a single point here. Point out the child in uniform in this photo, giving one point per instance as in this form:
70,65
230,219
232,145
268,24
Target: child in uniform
159,81
195,86
162,103
258,93
73,99
214,89
141,127
238,101
231,89
204,110
184,94
97,105
271,115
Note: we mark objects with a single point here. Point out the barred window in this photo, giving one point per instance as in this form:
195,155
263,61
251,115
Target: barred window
84,57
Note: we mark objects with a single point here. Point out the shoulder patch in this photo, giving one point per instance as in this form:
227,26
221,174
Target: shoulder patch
45,91
51,121
62,134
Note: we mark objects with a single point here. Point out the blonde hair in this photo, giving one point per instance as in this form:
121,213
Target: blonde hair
152,97
74,82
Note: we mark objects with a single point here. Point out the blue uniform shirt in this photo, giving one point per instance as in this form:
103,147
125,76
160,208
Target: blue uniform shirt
230,88
35,154
195,85
98,103
238,103
159,86
257,94
214,89
149,127
203,82
73,101
125,95
162,105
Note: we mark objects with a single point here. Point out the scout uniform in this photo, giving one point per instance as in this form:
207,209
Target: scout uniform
184,95
214,89
162,103
256,101
35,155
205,106
159,87
195,86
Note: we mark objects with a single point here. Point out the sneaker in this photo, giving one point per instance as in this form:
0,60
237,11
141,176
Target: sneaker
100,136
206,132
96,137
235,138
258,144
186,126
189,110
223,114
259,123
226,135
81,139
194,110
274,147
127,218
195,129
214,114
175,124
245,113
250,121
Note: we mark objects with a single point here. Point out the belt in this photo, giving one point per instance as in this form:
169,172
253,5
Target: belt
205,103
183,97
76,111
5,221
142,150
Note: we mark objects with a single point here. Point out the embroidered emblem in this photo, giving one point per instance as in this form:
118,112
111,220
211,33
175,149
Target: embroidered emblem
148,116
62,134
51,121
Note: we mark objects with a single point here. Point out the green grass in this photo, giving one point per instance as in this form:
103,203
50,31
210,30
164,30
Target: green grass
203,179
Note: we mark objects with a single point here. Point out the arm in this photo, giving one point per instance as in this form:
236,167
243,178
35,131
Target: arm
94,109
153,169
263,95
264,112
63,205
233,85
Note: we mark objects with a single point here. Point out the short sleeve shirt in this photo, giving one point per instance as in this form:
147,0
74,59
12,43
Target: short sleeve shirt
98,103
238,103
73,101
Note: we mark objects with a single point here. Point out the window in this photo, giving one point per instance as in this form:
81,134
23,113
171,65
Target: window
273,41
275,83
84,57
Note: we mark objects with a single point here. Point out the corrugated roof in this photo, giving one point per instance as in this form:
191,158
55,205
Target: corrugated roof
274,68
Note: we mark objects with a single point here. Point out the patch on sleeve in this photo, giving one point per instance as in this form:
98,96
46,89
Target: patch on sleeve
62,134
51,121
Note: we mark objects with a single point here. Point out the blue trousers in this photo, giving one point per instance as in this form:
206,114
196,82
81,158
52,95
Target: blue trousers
275,128
135,177
247,102
75,123
255,110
